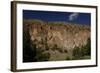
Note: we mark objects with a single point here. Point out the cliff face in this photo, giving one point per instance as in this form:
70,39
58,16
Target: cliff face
57,39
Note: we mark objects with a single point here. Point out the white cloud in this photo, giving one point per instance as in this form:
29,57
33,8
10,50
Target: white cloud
73,16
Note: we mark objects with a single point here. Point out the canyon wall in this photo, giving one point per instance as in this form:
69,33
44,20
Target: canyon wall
58,39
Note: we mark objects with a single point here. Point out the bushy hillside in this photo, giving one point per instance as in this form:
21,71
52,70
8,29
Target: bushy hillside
53,41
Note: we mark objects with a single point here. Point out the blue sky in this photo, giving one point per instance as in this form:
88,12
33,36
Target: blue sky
73,17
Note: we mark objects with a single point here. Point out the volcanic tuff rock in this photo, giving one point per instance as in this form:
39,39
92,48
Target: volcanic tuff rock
57,38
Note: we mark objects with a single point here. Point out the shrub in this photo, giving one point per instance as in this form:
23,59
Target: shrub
83,52
68,58
77,53
39,54
42,56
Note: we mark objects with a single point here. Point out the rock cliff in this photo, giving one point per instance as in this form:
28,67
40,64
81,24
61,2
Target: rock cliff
58,39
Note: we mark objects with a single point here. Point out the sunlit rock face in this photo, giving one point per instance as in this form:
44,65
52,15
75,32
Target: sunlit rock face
58,38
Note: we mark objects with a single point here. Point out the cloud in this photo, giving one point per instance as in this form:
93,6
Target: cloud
73,16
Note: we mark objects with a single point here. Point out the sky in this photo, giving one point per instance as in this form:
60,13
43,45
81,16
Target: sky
72,17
